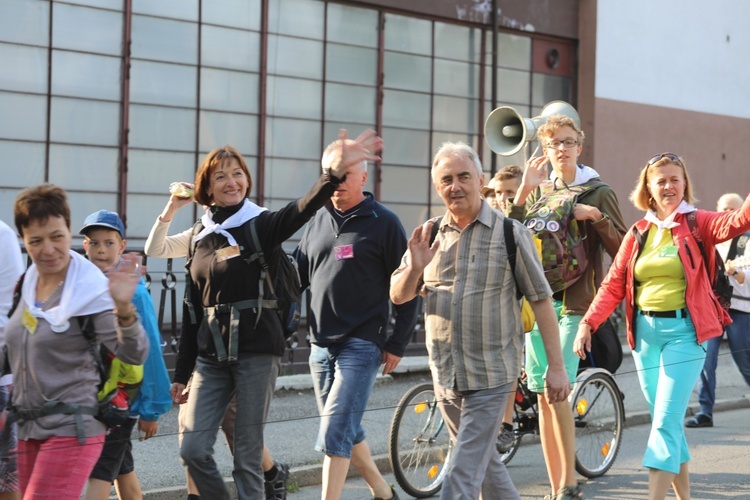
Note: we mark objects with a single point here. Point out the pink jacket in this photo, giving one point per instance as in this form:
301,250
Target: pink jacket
708,316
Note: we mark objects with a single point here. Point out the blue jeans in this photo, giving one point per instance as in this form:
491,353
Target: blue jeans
252,379
738,334
343,376
669,360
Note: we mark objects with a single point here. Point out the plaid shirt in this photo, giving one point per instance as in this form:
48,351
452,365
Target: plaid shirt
473,318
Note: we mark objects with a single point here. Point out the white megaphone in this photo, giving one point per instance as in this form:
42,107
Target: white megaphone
506,131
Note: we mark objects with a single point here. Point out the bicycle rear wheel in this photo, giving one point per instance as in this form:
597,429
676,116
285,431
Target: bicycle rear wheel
419,446
598,412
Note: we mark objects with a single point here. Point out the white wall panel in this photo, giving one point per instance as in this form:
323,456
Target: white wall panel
684,54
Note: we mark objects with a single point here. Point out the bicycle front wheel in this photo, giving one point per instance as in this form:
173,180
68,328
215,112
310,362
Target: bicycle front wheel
598,412
419,445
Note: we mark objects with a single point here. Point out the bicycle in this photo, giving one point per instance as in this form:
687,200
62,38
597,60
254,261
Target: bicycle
419,449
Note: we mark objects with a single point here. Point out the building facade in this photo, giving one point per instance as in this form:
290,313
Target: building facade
116,99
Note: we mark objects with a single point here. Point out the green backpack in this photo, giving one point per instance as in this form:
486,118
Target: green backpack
551,222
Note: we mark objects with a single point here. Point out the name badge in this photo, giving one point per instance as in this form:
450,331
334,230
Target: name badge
227,253
344,252
669,251
29,321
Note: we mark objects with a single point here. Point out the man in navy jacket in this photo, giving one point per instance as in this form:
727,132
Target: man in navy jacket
346,257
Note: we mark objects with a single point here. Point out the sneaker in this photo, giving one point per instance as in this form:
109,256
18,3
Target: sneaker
505,440
700,420
569,493
393,492
276,488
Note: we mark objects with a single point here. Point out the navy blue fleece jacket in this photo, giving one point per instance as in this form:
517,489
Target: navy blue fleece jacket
348,269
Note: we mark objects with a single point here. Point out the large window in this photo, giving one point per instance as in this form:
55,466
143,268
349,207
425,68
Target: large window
276,79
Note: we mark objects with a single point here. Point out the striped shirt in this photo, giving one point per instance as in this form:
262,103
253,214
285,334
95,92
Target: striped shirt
473,318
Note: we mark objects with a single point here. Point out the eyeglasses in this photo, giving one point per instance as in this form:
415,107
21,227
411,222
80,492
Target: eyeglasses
669,156
568,143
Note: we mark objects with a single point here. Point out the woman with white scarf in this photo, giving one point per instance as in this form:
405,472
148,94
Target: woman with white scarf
223,286
661,272
49,355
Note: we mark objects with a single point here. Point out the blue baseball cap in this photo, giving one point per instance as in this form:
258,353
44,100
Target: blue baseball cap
104,218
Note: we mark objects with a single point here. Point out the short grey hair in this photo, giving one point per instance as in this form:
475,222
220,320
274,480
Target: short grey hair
457,149
337,144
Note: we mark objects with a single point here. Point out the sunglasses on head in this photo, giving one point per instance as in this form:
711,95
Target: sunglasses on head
669,156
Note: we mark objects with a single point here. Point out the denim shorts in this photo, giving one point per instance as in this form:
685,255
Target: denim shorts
343,376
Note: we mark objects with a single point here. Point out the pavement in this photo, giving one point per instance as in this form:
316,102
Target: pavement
292,428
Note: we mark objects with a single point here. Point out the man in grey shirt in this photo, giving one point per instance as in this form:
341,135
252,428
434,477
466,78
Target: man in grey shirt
473,320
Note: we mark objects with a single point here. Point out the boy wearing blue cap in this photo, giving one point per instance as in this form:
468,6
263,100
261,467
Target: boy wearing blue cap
104,244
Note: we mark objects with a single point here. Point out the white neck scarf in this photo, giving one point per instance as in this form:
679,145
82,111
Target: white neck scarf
583,175
668,223
86,291
249,210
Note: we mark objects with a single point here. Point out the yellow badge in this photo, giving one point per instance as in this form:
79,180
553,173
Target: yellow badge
29,321
227,253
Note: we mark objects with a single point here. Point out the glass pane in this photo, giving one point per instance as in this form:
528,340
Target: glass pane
456,78
243,14
164,40
289,179
514,51
293,139
301,18
218,129
22,165
162,128
7,199
350,103
85,122
406,147
104,4
85,168
404,184
84,204
348,64
512,86
408,34
546,88
407,72
230,48
29,68
229,90
23,116
295,57
158,83
406,109
412,215
25,22
293,97
86,75
457,42
456,115
89,30
178,9
154,171
142,211
354,25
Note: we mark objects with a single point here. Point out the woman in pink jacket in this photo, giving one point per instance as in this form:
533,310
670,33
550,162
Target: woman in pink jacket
661,273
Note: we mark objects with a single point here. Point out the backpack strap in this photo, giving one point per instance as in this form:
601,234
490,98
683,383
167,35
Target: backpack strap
510,248
733,247
435,229
692,223
197,228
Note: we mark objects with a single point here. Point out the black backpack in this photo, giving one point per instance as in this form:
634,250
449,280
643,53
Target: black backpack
720,284
283,292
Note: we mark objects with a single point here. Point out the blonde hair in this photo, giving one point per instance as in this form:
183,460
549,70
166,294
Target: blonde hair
640,195
555,123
